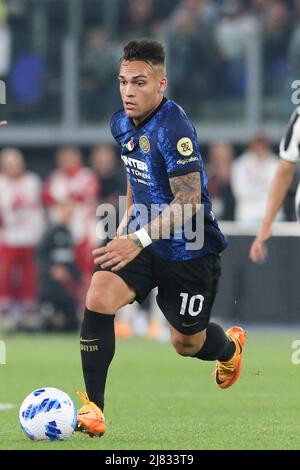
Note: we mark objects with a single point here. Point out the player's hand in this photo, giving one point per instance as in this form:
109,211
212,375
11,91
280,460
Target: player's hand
3,123
116,253
258,251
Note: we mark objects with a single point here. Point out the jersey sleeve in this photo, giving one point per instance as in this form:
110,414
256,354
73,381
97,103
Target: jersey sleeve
289,148
177,143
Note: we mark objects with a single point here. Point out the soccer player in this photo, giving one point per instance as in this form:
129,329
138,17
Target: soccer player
290,155
161,153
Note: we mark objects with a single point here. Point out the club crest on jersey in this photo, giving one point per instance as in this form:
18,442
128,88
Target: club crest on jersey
185,146
130,145
144,143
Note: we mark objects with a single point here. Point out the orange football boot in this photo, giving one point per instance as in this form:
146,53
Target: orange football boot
227,372
90,419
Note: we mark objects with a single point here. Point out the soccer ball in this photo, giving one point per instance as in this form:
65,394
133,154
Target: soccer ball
48,414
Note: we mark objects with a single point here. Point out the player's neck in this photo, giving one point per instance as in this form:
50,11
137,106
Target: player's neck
140,122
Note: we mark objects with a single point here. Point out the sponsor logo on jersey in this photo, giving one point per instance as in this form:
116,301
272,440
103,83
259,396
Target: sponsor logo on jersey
136,167
185,146
133,163
184,161
144,143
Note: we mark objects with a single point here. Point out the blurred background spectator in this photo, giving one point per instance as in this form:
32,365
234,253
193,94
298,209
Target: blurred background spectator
140,21
252,174
98,66
5,42
22,224
110,174
71,180
221,156
58,274
192,53
234,32
293,57
275,43
112,180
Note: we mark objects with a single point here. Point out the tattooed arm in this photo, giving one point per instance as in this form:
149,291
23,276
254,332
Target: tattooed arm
186,190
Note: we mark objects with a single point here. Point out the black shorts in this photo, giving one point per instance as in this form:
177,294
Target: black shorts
186,289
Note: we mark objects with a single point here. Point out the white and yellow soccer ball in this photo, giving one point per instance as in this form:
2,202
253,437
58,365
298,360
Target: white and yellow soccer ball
48,414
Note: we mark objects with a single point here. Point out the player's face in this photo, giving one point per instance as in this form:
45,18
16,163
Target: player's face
142,87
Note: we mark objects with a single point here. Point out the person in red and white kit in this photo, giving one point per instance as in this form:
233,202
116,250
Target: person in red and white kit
72,181
22,224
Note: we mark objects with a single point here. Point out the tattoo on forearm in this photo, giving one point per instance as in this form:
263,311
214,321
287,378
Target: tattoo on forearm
187,197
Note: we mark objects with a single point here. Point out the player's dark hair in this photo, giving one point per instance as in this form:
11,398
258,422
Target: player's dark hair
145,50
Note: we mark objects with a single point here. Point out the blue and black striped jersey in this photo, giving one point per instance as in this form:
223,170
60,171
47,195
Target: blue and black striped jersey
163,146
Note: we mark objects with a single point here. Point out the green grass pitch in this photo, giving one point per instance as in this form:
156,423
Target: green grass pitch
158,400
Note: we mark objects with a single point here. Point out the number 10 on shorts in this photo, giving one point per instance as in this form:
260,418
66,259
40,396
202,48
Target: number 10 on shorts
194,304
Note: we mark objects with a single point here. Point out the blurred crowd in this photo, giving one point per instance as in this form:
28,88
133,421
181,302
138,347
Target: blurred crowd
207,39
48,228
47,234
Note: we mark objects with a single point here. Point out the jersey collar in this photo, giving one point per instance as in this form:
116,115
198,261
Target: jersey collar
139,126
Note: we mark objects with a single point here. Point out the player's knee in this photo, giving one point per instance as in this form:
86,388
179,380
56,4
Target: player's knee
186,347
100,296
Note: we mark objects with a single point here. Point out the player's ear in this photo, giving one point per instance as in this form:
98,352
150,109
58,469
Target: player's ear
163,84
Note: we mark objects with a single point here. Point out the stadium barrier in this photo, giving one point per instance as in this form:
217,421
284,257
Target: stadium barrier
260,293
